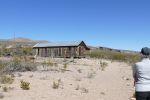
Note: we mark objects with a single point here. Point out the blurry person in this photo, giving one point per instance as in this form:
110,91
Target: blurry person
141,74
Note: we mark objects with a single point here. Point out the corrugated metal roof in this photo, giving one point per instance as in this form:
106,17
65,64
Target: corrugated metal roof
58,44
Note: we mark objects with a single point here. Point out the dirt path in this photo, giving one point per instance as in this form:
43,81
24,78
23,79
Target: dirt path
83,81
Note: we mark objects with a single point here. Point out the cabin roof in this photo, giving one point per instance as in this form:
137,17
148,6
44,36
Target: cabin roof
58,44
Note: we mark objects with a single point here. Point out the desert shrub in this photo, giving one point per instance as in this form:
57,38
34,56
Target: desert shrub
21,67
49,65
44,64
118,56
27,58
2,66
103,65
77,87
5,89
55,64
50,62
65,66
25,85
16,59
5,52
26,51
84,90
56,84
111,55
22,51
18,65
6,79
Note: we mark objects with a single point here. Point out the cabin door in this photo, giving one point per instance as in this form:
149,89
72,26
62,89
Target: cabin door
80,51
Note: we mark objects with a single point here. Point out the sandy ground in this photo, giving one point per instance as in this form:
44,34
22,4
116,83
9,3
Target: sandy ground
83,80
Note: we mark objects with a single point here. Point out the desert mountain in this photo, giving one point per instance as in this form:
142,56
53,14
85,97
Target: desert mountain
20,41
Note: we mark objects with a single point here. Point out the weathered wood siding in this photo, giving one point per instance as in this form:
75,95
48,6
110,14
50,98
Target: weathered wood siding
56,52
70,51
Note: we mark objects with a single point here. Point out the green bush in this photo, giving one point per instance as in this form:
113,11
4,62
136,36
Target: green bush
25,85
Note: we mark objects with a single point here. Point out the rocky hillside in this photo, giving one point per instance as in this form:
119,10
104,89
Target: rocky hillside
20,41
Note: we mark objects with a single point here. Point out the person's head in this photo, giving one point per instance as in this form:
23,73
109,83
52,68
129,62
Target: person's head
145,52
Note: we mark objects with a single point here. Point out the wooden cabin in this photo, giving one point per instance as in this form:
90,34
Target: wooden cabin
61,49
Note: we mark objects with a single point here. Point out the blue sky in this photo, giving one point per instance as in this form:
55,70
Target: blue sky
121,24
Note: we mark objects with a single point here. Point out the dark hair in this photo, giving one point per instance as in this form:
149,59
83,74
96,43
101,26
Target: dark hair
145,51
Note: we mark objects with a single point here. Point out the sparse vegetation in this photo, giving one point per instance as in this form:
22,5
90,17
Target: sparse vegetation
6,79
5,89
18,65
84,90
123,57
80,78
25,85
49,64
21,51
44,64
77,87
65,66
56,84
103,65
2,67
